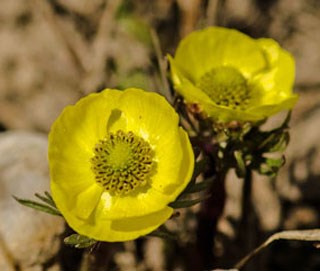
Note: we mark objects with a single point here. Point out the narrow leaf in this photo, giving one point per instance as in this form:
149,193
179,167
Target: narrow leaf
199,168
46,199
163,233
48,195
187,203
38,206
198,187
79,241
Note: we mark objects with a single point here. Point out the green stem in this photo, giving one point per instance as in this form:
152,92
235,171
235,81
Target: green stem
246,198
208,217
162,65
247,228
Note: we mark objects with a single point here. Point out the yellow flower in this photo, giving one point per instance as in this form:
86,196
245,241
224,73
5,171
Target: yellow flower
117,159
231,76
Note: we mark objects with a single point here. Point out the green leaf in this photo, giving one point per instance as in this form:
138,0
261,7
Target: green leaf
192,186
38,206
199,168
163,233
47,199
79,241
187,203
198,187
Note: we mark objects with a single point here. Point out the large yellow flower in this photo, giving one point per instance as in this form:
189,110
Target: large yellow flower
117,159
232,76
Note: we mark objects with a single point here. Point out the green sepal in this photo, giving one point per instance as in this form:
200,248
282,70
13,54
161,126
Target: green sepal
240,164
271,166
43,207
274,141
79,241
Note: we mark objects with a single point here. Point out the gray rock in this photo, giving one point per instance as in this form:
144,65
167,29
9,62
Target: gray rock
28,238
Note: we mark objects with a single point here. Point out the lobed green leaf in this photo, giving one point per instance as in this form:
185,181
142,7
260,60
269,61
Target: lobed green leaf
79,241
38,206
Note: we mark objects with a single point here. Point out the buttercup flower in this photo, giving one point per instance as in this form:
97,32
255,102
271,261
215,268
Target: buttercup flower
231,76
117,159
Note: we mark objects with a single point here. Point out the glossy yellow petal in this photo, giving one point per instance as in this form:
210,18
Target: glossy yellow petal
87,201
185,171
226,114
276,82
139,204
83,124
205,49
185,87
119,230
148,115
271,109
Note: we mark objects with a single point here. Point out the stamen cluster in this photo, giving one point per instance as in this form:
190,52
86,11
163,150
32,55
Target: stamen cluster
226,87
122,162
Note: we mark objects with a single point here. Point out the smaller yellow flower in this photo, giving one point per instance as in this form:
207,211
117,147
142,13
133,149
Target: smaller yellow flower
117,159
231,76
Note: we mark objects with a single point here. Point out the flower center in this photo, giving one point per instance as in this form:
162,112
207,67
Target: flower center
122,162
226,86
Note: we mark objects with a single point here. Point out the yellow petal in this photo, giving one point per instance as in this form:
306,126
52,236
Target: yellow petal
271,109
119,230
212,47
276,81
87,201
185,87
149,115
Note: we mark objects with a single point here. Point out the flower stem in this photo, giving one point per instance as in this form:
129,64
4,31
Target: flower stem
246,199
211,211
247,228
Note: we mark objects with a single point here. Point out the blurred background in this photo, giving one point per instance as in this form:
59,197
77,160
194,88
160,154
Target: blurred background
52,52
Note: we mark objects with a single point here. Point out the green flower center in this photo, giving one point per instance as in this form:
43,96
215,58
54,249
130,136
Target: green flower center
122,162
226,86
